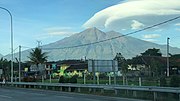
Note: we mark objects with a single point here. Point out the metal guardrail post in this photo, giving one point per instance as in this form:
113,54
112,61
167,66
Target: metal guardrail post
60,88
127,92
102,91
69,89
90,89
155,96
79,89
46,88
116,91
134,94
53,88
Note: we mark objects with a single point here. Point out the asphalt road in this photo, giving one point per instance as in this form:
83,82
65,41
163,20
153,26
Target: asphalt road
21,94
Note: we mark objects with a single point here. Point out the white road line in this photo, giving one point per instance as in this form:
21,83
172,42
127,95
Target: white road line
38,94
4,96
64,97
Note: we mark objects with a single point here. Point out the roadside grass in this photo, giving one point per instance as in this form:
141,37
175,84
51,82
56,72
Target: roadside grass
133,82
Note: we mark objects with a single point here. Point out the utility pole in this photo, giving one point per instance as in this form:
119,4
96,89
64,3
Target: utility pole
19,63
168,57
11,30
39,43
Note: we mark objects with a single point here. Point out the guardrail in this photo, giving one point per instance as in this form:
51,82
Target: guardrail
94,87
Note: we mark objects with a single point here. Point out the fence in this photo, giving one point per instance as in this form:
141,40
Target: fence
93,87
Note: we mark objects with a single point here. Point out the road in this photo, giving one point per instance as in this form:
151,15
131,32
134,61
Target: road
22,94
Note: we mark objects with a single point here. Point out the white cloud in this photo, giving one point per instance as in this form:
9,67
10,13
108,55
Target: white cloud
59,31
58,28
123,29
147,12
159,30
177,29
136,25
177,24
151,36
55,32
150,40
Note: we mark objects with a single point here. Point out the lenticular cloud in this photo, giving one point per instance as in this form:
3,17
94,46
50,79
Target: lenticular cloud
141,12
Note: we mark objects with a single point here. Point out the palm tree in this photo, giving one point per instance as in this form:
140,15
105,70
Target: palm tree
37,56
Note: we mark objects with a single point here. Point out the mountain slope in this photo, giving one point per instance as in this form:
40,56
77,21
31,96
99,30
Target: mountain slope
128,46
1,55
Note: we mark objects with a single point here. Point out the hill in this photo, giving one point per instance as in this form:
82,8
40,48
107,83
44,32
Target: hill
128,46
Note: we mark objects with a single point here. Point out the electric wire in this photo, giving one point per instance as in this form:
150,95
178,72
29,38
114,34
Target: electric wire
143,29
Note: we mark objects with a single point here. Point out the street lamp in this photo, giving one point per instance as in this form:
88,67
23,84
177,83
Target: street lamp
11,26
168,57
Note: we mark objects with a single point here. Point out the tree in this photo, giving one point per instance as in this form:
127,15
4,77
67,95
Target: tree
175,60
37,56
122,63
175,81
5,65
155,57
152,60
156,67
152,52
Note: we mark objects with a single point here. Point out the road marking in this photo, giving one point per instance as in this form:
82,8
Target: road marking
68,97
4,96
64,97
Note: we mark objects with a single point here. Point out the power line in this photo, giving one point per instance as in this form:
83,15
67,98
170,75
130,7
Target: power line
26,47
143,29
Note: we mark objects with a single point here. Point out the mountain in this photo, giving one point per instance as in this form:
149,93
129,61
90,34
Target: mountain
128,46
1,55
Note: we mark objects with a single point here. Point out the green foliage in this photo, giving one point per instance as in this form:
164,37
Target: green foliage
163,82
72,79
152,52
29,79
176,56
62,79
37,56
152,60
5,65
175,81
122,63
174,60
156,67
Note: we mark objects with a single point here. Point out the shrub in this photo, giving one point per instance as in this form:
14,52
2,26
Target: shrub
73,79
163,82
62,79
175,81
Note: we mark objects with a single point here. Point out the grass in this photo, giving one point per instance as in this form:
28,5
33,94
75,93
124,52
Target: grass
120,82
106,81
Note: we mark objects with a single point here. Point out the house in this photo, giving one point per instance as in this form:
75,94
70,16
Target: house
148,65
65,67
77,69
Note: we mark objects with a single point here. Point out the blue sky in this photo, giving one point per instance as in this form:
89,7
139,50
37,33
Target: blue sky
52,20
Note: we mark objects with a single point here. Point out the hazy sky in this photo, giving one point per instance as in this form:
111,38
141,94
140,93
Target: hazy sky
52,20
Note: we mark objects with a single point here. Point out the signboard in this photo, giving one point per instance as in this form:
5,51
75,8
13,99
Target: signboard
1,71
33,68
102,65
41,67
53,66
